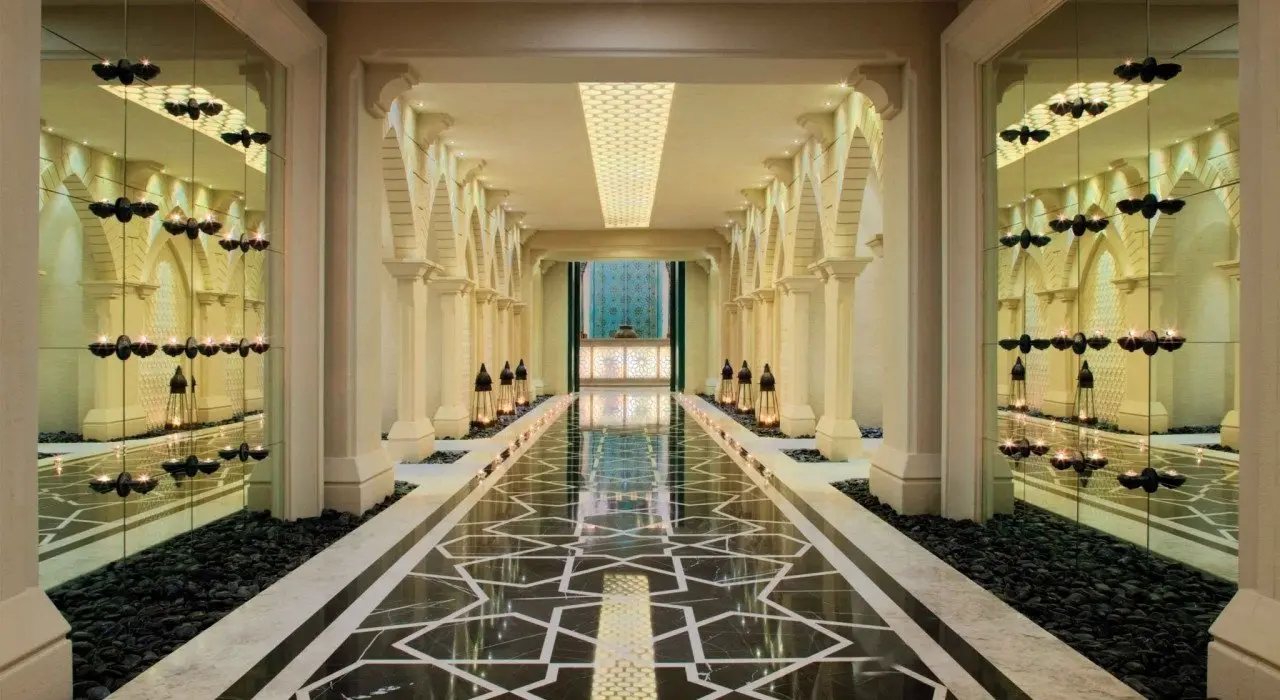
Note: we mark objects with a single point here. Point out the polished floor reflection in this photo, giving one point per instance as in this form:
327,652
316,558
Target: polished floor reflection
636,564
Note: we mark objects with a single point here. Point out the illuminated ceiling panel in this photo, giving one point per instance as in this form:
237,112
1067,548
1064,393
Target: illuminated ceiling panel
230,119
627,125
1117,96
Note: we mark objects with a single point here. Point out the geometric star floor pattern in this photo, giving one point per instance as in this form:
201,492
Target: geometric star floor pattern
636,565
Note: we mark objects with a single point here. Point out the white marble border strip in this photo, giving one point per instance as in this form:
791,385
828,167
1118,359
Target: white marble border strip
1034,660
218,657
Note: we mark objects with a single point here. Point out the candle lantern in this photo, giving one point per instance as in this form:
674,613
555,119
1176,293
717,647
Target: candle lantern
746,402
178,411
725,396
1018,386
506,391
1085,411
767,413
482,411
522,385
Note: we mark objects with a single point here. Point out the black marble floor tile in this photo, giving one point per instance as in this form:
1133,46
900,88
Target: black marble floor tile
638,566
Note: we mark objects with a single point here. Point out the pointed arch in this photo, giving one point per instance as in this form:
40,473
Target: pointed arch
501,268
442,241
407,241
858,168
1162,244
734,266
475,244
198,255
102,249
806,241
747,271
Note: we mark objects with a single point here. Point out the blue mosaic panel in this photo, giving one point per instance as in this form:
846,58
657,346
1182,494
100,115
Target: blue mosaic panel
626,291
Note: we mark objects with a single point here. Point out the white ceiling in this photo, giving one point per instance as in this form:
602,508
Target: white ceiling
533,137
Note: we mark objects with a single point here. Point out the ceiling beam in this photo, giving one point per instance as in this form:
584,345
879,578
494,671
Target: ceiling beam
625,244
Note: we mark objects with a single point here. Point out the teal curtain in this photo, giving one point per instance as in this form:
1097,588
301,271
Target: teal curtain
626,291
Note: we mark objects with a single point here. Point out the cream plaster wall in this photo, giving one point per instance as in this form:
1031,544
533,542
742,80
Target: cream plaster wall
66,380
869,333
696,325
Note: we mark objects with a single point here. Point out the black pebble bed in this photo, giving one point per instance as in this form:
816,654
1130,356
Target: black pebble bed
131,613
503,421
441,457
805,455
1143,618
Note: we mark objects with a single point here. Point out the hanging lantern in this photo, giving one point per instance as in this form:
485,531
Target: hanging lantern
767,415
522,385
725,396
506,392
746,403
482,413
1085,411
1018,386
177,412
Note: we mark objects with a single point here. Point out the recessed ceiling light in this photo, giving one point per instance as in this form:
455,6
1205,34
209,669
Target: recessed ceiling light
450,142
626,126
480,177
153,97
461,154
115,153
417,104
795,141
844,83
49,129
828,103
786,152
84,143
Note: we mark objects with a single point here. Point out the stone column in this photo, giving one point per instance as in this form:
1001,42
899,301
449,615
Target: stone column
253,368
357,471
732,334
536,355
714,356
1060,310
765,352
519,334
1140,411
798,417
117,405
452,419
483,335
746,335
839,437
210,373
35,655
412,436
502,332
1231,422
1009,325
1244,659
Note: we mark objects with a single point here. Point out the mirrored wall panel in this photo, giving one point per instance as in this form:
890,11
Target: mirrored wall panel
160,199
1112,388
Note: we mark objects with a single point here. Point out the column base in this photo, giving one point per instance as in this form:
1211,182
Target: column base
799,420
36,664
1057,404
356,484
1230,429
261,484
1244,661
211,409
839,440
911,484
1143,418
113,423
410,440
452,422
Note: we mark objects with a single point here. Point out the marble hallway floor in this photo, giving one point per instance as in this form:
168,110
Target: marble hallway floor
637,564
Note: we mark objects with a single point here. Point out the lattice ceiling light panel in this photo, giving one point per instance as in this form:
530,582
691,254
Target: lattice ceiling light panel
229,120
1116,96
627,125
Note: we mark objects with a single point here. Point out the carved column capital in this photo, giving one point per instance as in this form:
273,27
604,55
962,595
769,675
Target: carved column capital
452,285
876,244
494,199
430,125
840,269
821,126
756,196
782,168
882,85
383,83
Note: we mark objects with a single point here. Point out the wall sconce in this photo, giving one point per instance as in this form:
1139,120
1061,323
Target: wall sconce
123,484
176,226
1084,409
229,346
189,466
123,209
1024,343
244,137
123,348
1018,386
1149,342
244,452
746,403
1078,107
506,393
725,396
1079,224
522,385
1026,239
482,411
767,412
207,347
1149,206
178,411
124,71
174,348
1024,134
1016,449
1149,479
193,109
1147,70
259,345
